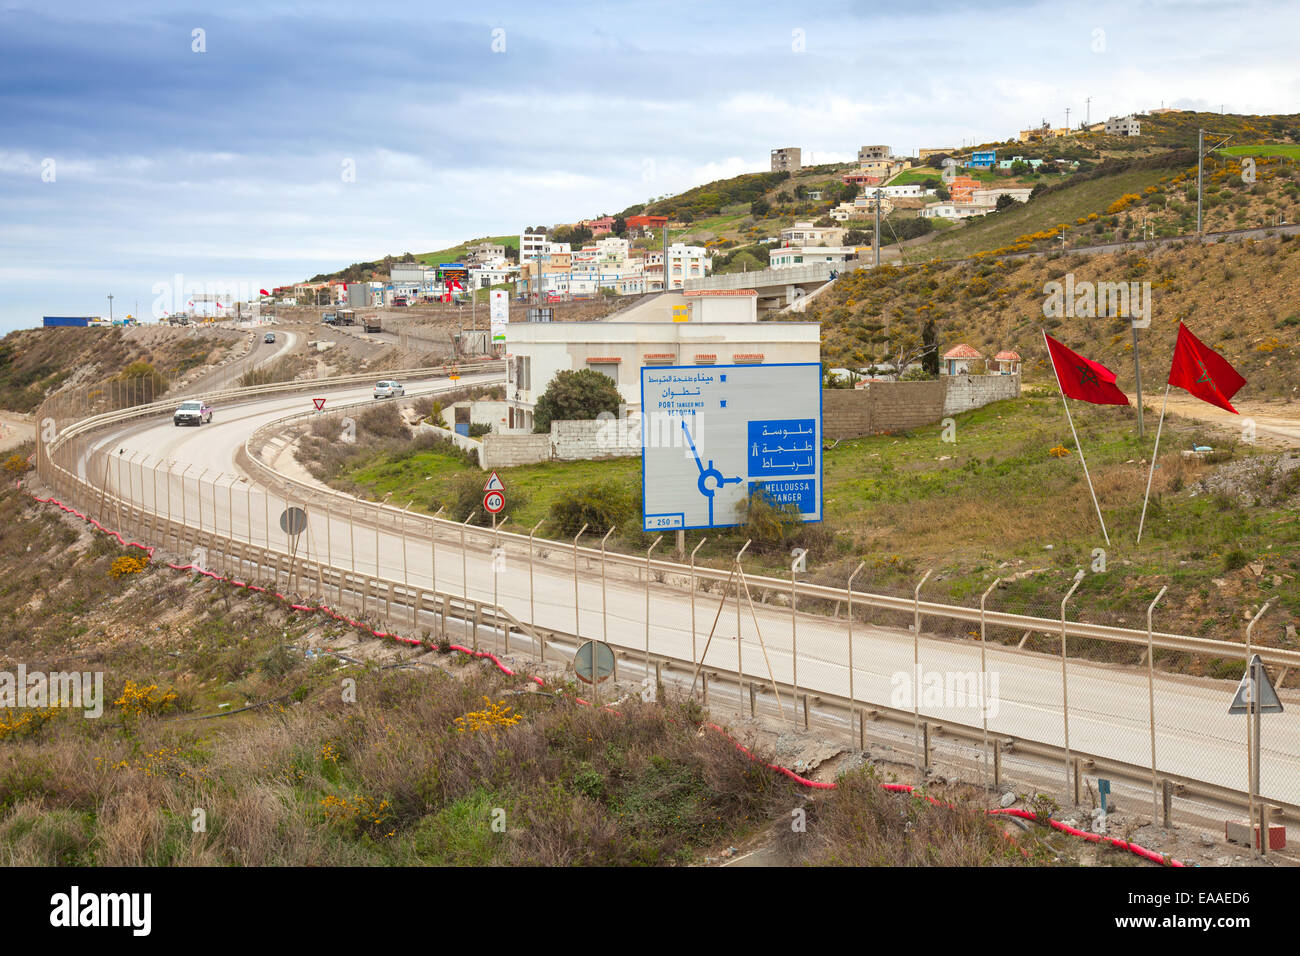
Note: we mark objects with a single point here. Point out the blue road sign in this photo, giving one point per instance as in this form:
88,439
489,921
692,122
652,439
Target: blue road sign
713,435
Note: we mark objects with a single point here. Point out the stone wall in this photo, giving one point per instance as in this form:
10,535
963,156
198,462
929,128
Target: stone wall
567,441
506,451
574,440
966,392
896,406
880,407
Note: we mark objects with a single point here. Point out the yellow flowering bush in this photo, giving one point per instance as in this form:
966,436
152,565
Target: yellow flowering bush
25,723
127,565
16,464
139,700
490,719
1060,451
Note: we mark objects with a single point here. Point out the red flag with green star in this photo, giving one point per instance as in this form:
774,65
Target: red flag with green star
1083,378
1203,372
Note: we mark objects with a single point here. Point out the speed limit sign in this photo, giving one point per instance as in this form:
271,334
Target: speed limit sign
494,501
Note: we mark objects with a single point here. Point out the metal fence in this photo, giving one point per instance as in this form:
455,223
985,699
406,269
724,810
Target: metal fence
967,687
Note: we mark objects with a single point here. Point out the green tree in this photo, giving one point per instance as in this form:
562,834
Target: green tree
576,395
620,226
1005,201
929,341
759,208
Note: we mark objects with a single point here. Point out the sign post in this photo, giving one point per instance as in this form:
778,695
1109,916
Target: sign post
1255,696
494,498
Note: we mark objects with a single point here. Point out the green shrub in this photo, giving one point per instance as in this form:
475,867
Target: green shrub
600,507
1235,560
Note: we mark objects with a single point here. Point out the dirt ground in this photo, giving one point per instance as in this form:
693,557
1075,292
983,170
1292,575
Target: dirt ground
15,429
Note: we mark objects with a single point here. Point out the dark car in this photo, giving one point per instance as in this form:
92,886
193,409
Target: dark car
269,337
192,413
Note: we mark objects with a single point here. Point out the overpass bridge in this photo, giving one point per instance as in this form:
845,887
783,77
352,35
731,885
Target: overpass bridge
777,289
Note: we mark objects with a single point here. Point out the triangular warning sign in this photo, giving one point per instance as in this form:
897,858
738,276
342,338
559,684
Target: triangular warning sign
319,403
1265,703
494,483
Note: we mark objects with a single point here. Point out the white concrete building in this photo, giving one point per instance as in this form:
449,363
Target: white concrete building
532,243
720,328
1124,126
806,234
787,257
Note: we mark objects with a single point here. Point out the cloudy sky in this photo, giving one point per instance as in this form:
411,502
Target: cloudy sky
145,144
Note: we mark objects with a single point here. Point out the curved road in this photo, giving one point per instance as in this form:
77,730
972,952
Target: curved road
1108,704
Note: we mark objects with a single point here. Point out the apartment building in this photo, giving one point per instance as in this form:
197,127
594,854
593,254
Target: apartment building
868,153
1124,126
787,159
532,243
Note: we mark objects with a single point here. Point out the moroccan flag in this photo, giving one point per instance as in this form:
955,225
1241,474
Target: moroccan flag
263,291
1205,373
1083,378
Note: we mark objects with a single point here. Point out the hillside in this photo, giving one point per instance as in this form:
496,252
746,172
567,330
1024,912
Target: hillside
1239,298
730,214
36,362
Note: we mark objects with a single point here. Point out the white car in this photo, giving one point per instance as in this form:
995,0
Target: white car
192,413
388,389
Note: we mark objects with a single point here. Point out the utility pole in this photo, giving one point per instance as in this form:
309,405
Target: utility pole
1087,116
875,236
1200,163
1067,117
1200,173
110,308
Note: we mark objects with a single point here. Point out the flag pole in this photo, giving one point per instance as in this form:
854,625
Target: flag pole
1151,473
1077,444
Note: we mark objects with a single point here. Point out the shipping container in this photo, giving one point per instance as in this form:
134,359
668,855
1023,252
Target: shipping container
76,321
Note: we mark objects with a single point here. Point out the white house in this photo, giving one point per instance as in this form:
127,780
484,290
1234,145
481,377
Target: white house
787,257
958,360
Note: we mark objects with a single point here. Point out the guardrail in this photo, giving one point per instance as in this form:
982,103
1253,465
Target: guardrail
397,517
63,468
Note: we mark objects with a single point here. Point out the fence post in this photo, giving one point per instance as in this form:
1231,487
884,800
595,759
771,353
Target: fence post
532,605
464,571
984,709
1151,702
1253,750
740,659
1065,690
853,700
604,616
916,675
433,549
648,550
576,628
693,550
496,574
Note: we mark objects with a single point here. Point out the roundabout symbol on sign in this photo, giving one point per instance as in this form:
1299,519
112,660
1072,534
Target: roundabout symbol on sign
494,501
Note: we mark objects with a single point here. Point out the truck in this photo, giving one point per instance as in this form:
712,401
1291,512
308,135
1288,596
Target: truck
328,318
373,323
346,317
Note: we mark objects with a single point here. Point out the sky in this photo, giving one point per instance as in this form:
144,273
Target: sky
151,149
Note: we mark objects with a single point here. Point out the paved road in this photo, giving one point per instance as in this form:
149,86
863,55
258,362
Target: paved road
1108,705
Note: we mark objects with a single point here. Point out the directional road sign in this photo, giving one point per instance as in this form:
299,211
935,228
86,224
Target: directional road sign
713,435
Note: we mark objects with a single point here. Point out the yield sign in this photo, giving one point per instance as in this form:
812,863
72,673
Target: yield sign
319,403
494,483
1265,702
